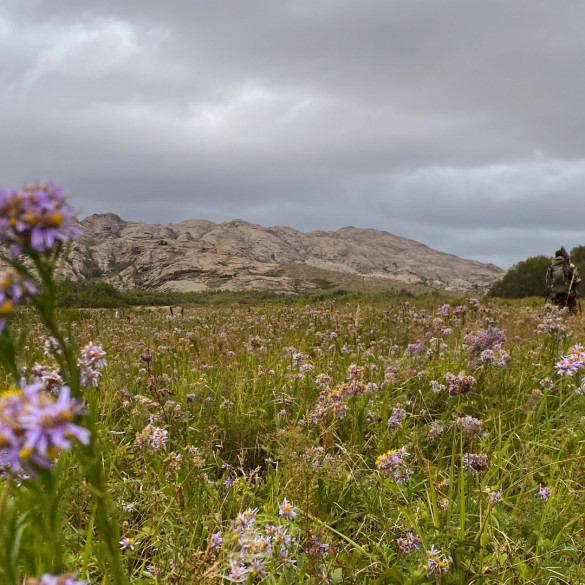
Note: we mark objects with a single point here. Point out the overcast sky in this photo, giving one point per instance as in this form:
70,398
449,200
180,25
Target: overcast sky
457,123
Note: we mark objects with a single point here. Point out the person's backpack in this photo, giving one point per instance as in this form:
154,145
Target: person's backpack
560,277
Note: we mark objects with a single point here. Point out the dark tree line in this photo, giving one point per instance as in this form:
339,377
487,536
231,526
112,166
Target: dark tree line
527,278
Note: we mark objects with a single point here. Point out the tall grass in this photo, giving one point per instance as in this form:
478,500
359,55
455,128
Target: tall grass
233,409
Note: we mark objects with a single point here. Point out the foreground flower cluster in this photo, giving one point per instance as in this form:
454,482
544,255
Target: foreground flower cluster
35,216
572,362
35,426
41,412
253,551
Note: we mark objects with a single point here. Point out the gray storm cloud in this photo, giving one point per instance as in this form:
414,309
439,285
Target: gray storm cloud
454,123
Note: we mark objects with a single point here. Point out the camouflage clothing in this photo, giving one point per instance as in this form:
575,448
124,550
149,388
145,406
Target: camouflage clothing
572,298
564,296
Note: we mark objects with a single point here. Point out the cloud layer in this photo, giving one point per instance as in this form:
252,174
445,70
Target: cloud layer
455,123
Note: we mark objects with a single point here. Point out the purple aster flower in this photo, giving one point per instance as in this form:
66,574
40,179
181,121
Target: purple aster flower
246,518
494,497
89,376
355,372
392,464
35,426
285,558
287,510
68,579
216,541
484,339
414,348
460,385
9,449
93,355
158,438
278,535
409,543
51,380
53,347
128,543
487,357
257,568
436,386
238,573
469,425
261,545
395,421
544,491
437,563
475,462
323,379
36,216
48,423
444,310
14,290
567,366
504,357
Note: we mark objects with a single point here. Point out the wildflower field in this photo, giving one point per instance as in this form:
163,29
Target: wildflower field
333,442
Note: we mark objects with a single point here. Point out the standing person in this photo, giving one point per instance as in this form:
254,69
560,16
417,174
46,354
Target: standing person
562,280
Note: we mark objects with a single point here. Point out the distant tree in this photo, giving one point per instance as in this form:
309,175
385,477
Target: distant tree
93,293
578,255
525,279
578,259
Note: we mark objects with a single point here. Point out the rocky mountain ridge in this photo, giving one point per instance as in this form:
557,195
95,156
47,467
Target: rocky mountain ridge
199,255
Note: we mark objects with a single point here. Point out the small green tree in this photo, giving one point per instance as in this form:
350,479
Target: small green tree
525,279
93,293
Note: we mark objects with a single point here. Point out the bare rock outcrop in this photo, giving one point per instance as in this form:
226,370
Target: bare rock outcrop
199,255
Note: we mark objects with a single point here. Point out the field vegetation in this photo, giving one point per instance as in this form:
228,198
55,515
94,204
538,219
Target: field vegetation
99,294
342,442
335,440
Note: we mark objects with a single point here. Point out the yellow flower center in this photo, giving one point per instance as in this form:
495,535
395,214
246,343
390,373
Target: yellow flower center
57,219
11,392
30,218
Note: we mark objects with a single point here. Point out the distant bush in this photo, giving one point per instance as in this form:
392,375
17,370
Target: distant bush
99,294
525,279
92,294
91,269
219,297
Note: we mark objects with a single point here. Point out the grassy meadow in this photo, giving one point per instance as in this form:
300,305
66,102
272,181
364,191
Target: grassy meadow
327,442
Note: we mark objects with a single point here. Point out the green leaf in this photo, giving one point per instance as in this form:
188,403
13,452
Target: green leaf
336,575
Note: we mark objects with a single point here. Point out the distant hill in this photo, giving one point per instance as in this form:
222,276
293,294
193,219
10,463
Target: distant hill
199,255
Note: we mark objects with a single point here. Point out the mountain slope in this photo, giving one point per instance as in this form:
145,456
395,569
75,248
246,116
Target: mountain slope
198,255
